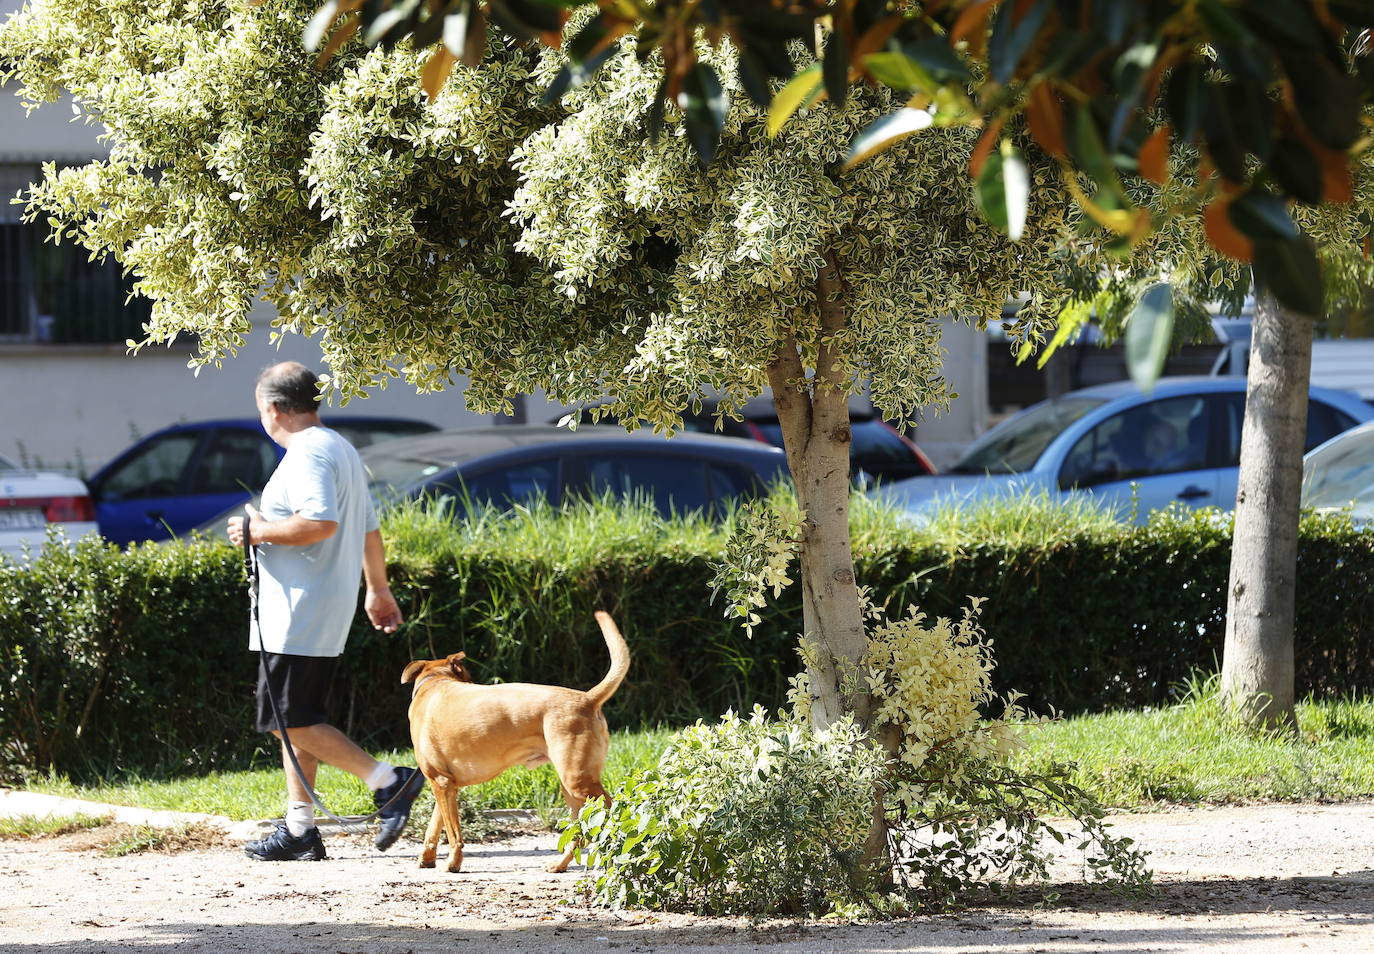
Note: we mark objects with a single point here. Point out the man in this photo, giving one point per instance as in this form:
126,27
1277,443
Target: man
316,531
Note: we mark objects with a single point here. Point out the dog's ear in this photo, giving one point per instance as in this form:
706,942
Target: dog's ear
412,670
455,666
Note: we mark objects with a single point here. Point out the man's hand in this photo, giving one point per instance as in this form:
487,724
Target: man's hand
254,521
382,609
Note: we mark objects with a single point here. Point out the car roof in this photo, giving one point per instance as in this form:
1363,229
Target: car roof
761,408
456,446
1165,387
326,418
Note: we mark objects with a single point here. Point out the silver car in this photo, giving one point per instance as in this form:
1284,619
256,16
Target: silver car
1340,474
1133,451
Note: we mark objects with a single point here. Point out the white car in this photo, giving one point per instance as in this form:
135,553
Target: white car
32,500
1340,474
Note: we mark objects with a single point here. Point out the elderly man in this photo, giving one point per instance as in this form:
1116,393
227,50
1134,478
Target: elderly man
315,533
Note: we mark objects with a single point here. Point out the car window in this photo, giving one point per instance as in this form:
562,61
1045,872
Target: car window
503,487
1162,437
155,470
1341,473
7,464
1323,423
672,484
1017,443
234,461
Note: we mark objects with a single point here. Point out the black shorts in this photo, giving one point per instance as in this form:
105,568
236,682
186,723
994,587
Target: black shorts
301,686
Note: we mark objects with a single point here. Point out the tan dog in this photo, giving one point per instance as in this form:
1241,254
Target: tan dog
465,734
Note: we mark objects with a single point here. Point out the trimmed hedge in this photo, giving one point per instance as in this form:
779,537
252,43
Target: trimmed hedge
138,660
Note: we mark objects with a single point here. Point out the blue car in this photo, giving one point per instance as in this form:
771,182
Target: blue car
1178,444
179,477
508,466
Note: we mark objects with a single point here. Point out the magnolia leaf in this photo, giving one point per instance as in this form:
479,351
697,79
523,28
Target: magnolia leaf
1003,190
319,25
804,89
436,70
1292,272
884,131
1149,330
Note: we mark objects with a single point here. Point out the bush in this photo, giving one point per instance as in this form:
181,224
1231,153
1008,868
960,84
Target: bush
745,816
138,659
771,817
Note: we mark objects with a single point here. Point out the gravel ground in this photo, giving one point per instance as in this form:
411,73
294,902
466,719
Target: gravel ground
1254,880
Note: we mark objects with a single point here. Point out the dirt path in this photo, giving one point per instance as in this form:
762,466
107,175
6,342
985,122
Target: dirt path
1252,880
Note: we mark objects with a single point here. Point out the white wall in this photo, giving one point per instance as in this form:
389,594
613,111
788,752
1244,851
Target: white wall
76,406
944,437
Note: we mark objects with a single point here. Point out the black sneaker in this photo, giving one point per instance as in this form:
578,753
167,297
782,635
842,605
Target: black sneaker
281,845
395,817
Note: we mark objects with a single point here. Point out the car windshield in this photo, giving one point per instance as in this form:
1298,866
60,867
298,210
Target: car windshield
7,464
1016,444
1341,473
390,474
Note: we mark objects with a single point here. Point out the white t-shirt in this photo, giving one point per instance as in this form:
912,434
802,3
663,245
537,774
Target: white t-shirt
307,596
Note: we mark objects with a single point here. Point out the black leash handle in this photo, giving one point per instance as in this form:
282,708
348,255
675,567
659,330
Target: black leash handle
349,822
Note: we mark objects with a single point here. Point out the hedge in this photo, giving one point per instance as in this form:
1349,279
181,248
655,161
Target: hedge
136,661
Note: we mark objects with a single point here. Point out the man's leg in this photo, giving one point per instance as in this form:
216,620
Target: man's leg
324,743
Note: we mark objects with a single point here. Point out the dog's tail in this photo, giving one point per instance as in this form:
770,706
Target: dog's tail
620,661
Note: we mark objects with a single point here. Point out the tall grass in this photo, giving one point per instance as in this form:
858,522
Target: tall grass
1194,752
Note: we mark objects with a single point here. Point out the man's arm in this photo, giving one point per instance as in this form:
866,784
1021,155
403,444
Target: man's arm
292,531
381,606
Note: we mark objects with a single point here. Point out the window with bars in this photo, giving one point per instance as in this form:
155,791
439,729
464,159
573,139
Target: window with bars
53,293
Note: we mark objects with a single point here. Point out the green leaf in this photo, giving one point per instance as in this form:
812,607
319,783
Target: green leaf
1262,216
1149,330
897,70
705,104
1297,170
1292,272
884,131
836,68
802,90
1010,40
1003,190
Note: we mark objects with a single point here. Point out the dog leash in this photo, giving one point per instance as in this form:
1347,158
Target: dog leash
349,822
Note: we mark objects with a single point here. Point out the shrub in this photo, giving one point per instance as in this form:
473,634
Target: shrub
771,817
138,660
752,816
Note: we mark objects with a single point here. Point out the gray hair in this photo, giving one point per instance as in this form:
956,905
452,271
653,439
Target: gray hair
290,387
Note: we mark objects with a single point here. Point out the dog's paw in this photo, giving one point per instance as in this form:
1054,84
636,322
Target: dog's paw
427,862
455,864
556,867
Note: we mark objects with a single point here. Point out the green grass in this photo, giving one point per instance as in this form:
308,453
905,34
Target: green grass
1192,753
35,826
1188,753
259,793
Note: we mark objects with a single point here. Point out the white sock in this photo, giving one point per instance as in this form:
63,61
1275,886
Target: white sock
300,818
382,776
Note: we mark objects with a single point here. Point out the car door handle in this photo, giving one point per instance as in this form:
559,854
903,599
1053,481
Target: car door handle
1193,492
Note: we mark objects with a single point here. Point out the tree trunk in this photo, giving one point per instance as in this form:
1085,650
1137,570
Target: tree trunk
1257,662
814,416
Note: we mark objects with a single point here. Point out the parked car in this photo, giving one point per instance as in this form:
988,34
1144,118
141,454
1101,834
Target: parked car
1179,443
879,453
1340,474
33,500
177,478
506,466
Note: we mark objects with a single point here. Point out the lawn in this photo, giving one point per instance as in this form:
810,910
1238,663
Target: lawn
1188,753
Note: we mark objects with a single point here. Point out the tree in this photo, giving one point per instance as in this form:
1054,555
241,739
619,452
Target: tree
575,247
